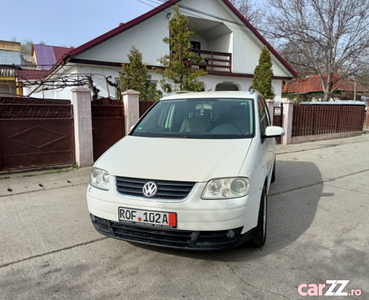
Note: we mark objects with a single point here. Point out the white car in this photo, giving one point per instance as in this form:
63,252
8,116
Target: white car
193,173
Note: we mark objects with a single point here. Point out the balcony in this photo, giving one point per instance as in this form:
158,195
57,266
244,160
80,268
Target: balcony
213,62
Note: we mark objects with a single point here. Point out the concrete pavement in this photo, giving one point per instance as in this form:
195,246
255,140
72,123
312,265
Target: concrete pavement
317,230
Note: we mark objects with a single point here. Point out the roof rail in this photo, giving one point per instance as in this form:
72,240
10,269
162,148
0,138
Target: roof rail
179,92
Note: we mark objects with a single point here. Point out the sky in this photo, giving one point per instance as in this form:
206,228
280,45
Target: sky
67,23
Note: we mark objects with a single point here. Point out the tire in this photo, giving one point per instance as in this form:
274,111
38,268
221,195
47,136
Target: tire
260,234
273,174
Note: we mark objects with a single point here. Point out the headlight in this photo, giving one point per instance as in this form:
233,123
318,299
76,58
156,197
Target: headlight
100,179
225,188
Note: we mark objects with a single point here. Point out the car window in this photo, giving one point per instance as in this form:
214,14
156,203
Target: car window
264,117
199,118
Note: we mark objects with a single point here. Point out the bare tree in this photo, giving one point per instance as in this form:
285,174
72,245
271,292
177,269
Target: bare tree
296,59
323,36
252,11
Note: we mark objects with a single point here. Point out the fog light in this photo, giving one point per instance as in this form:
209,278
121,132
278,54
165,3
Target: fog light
231,234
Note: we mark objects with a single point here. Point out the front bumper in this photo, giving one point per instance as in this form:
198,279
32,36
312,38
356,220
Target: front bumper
193,213
173,238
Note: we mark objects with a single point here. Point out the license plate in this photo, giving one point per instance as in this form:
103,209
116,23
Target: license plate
148,218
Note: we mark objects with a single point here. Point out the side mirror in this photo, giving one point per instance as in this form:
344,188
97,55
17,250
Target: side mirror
273,131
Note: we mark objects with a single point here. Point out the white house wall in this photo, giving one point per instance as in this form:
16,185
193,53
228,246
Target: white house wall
48,94
246,47
277,89
198,38
100,73
147,37
222,44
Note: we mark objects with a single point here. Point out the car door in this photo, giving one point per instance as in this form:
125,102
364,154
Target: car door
267,145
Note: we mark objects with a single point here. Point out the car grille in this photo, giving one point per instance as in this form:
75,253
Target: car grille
166,189
167,238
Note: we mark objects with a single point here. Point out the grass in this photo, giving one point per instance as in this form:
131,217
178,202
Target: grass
64,170
45,172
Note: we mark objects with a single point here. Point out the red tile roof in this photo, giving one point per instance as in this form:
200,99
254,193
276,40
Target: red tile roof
60,51
31,74
153,12
312,84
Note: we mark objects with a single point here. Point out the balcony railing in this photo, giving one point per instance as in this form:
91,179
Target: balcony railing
213,61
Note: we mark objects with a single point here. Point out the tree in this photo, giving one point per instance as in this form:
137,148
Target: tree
324,37
251,10
178,73
26,45
135,76
296,59
263,75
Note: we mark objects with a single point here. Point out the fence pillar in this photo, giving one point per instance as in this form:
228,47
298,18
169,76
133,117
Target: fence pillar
82,126
270,104
287,122
131,108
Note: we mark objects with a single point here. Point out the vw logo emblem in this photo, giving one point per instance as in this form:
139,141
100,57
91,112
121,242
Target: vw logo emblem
150,189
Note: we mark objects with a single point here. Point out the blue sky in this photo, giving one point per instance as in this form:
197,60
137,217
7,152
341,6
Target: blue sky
68,23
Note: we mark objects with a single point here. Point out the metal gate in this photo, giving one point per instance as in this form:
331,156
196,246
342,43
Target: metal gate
35,133
278,118
107,124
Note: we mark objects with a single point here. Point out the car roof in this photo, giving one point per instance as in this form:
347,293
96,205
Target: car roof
197,95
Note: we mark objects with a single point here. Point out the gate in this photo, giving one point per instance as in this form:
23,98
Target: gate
107,124
35,133
278,118
145,105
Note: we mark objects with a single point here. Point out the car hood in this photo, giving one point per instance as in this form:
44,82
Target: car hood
196,160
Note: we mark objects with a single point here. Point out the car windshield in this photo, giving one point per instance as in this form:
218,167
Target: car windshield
219,118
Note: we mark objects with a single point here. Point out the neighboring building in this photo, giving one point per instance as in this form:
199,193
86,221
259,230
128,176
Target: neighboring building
310,89
10,60
20,72
46,56
34,68
230,44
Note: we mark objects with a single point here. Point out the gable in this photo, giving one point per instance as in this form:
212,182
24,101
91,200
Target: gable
217,27
147,37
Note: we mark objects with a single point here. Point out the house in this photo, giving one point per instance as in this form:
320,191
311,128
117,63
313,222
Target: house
22,71
35,67
10,60
230,45
310,89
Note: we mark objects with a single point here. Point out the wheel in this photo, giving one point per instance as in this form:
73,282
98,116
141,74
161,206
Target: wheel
273,174
260,235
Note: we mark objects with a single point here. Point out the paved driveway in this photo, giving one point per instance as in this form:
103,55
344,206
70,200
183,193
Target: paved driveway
317,231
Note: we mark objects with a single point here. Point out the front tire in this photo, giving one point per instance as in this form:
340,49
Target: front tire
260,234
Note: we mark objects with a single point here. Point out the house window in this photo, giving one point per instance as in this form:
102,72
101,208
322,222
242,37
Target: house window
196,45
263,115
